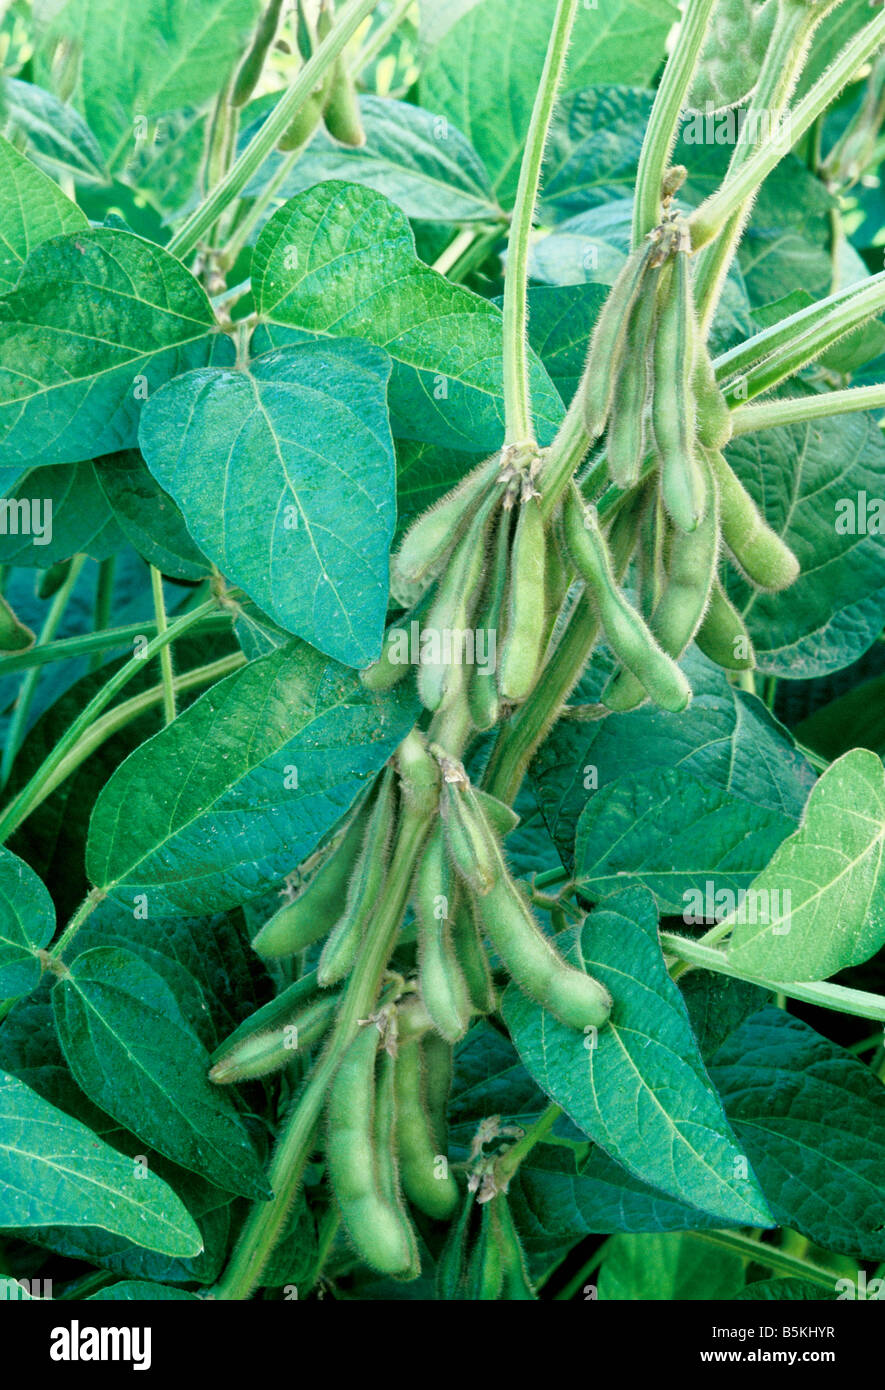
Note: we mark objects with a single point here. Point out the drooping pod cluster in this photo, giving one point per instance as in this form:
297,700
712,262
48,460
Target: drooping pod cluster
483,1259
649,385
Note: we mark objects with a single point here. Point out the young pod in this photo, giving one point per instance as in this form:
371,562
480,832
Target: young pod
673,403
471,956
469,838
50,581
483,691
691,570
304,123
361,1162
761,554
626,631
485,1264
427,542
388,670
650,551
517,1286
270,1049
627,439
424,1171
441,679
526,602
317,908
606,352
342,110
443,988
451,1267
714,425
363,890
438,1057
14,636
723,635
389,1175
419,774
252,65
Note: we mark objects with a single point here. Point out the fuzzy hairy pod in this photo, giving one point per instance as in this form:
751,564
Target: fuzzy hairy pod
443,987
723,635
470,839
365,886
714,426
673,402
483,692
252,65
627,438
457,595
607,345
759,551
526,601
435,532
419,1158
271,1049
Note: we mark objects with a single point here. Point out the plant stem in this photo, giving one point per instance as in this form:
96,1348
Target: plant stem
266,1221
517,404
260,146
824,995
509,1162
578,1281
710,218
165,652
783,349
18,722
68,648
663,125
86,908
243,230
779,1261
375,42
455,249
121,715
104,593
797,410
23,803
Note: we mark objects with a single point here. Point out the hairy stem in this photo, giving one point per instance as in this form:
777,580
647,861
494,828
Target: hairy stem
69,648
663,124
517,403
769,1256
165,652
795,411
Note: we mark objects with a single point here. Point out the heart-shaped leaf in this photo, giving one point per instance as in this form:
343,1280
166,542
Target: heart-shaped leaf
27,921
33,209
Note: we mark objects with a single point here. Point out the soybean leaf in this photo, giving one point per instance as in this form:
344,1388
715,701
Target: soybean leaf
853,720
812,1119
487,89
58,138
97,320
824,890
339,260
674,1266
593,151
133,1053
285,476
639,1089
140,1291
415,158
54,1170
148,516
243,784
55,513
561,321
153,56
779,1290
813,482
27,921
33,210
674,835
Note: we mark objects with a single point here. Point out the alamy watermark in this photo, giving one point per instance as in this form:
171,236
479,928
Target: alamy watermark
763,906
27,516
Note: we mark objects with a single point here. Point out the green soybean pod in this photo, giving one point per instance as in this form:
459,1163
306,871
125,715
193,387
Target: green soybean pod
626,631
483,691
485,1265
714,425
419,773
14,635
317,908
387,671
49,581
723,635
764,558
365,886
271,1049
501,817
442,676
451,1267
474,962
443,987
366,1194
433,534
609,335
438,1057
252,65
389,1175
304,123
526,603
626,441
469,838
673,403
691,571
342,111
424,1171
274,1014
517,1286
650,551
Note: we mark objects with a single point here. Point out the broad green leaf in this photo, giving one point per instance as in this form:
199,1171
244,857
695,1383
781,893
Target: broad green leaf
668,1268
415,158
724,740
484,71
58,138
34,209
97,321
339,260
139,1291
58,512
560,324
812,1119
580,169
55,1171
133,1053
819,906
285,476
781,1290
227,799
144,59
639,1089
818,484
677,835
27,921
148,516
853,720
